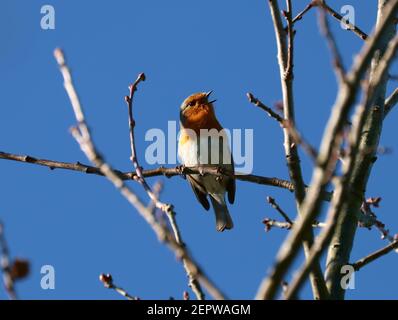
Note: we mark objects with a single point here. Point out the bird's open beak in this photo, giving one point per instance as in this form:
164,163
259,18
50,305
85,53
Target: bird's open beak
208,94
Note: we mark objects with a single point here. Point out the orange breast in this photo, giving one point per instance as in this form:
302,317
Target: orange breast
200,117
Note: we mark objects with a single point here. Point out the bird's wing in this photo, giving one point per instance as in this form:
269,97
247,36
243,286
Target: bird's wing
231,185
199,191
229,181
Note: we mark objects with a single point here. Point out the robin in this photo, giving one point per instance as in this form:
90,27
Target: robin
203,141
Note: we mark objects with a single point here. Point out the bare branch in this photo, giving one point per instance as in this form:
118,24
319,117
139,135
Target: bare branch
326,158
290,45
375,255
82,135
341,19
298,139
390,102
270,223
185,295
369,219
295,135
274,205
303,12
337,60
334,14
268,110
167,172
134,159
157,189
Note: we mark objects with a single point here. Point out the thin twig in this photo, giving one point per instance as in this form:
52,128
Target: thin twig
270,223
375,255
298,139
334,14
338,66
107,280
288,76
157,189
294,133
368,219
166,208
390,102
296,136
5,261
267,109
82,135
341,19
303,12
276,206
185,295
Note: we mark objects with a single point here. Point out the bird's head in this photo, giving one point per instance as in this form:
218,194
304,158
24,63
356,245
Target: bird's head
196,107
196,100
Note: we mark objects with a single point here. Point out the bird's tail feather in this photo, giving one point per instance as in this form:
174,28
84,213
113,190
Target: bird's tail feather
223,218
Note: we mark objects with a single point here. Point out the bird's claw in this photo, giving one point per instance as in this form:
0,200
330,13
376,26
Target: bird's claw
181,170
220,170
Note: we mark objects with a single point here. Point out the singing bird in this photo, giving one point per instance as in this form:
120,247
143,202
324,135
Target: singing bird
196,148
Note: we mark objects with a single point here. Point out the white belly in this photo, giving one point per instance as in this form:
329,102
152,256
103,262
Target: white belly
208,153
188,153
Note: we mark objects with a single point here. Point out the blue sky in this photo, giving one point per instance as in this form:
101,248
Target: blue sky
80,224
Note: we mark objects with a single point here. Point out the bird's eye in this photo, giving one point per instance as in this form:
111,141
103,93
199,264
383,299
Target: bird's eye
191,104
